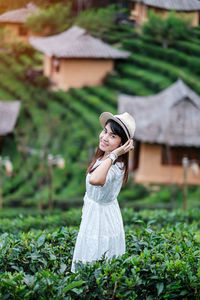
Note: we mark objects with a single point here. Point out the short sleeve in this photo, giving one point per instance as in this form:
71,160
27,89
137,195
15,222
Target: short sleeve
115,172
108,192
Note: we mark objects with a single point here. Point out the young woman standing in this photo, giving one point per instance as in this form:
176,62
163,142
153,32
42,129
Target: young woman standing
101,229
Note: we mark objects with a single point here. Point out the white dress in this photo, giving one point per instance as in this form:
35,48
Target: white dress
101,229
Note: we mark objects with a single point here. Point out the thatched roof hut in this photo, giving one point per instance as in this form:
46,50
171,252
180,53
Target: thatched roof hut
167,129
18,15
76,43
188,8
9,111
178,5
13,24
170,117
75,59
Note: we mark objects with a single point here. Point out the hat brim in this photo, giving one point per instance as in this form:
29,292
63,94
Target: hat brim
106,116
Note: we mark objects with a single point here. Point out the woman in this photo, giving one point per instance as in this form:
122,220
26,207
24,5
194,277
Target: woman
101,229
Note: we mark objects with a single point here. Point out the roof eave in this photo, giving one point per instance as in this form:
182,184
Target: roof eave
169,9
166,142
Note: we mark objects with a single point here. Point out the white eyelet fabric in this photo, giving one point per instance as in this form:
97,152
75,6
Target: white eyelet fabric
101,229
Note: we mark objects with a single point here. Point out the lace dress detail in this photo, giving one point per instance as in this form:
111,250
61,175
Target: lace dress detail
101,230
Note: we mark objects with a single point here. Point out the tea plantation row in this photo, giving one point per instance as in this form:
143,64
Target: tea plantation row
57,122
13,222
162,259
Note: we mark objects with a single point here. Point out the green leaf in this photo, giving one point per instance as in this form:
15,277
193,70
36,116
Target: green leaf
62,268
149,298
73,285
41,240
183,293
29,280
149,230
160,287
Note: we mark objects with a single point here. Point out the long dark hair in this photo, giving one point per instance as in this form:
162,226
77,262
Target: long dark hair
116,129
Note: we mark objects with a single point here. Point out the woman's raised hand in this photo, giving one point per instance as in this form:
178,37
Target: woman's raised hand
124,148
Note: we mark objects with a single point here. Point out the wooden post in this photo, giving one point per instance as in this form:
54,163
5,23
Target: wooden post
1,203
172,200
185,163
50,168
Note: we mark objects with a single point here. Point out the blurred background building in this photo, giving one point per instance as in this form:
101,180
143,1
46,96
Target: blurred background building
13,23
167,130
140,9
73,59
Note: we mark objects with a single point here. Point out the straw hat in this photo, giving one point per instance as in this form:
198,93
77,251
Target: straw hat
125,120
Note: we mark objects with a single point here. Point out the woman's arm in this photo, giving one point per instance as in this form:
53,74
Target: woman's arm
98,176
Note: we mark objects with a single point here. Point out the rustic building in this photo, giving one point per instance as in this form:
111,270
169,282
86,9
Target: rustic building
13,23
167,129
76,59
140,9
9,111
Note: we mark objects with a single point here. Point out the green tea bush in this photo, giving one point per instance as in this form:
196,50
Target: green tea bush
170,55
167,30
25,221
128,86
159,263
173,72
57,121
92,101
187,47
150,79
104,94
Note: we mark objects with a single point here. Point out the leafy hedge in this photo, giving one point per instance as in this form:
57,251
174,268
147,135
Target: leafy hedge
170,55
25,221
161,262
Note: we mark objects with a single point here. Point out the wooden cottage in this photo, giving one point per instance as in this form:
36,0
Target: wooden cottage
13,23
167,129
140,9
76,59
9,111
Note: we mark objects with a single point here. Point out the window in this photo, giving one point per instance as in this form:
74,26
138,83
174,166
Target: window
174,155
158,10
22,31
1,143
133,6
56,65
135,163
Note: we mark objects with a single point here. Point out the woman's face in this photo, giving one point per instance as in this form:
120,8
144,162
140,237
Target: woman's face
108,141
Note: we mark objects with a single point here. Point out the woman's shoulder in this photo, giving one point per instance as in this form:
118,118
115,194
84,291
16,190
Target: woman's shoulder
118,164
119,167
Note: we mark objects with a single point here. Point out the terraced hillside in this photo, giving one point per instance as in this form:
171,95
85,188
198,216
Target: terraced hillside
54,122
67,123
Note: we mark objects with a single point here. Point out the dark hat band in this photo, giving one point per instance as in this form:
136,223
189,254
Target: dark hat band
124,126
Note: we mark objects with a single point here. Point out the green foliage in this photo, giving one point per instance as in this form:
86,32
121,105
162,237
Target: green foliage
170,55
97,21
59,122
51,20
127,85
132,191
151,80
161,259
167,30
15,47
22,220
170,62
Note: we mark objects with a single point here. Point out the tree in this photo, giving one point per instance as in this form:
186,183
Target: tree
51,20
97,21
167,30
58,17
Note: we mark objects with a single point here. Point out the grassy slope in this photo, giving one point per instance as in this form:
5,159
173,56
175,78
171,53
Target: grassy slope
67,123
